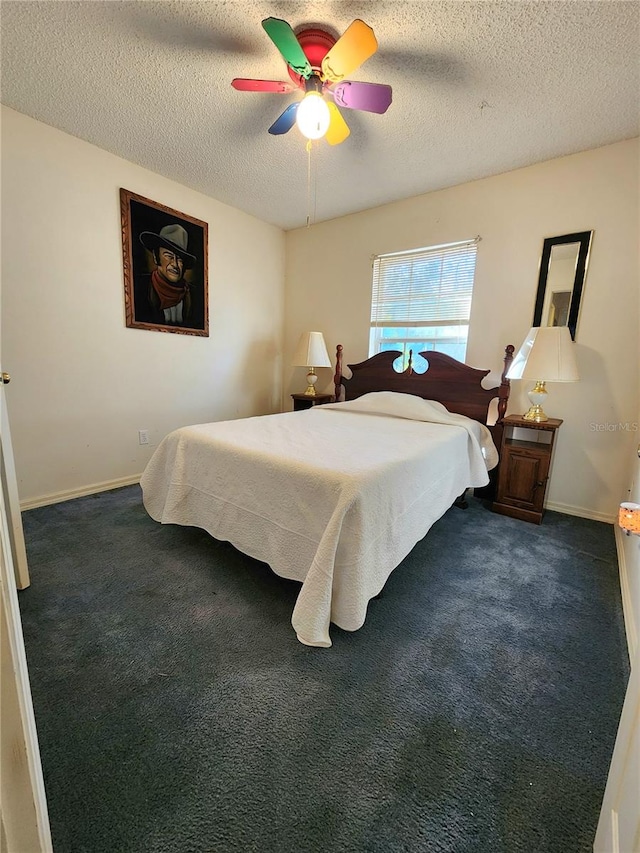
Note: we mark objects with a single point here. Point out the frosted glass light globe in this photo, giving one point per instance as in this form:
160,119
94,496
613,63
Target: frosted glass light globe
313,116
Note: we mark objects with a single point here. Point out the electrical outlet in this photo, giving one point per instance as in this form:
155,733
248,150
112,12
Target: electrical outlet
143,436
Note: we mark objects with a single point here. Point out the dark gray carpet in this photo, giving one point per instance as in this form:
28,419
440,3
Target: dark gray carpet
476,710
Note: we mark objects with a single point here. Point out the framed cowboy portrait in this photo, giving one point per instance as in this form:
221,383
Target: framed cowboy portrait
165,267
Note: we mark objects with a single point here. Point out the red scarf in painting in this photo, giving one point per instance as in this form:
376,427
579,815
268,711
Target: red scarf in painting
169,294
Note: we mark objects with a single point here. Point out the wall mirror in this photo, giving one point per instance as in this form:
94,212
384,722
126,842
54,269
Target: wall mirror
563,268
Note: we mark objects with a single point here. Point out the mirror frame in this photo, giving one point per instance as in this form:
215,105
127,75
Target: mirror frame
584,239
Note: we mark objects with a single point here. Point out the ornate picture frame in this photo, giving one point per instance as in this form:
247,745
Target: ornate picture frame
165,263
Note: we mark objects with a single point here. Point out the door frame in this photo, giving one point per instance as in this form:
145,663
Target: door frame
24,817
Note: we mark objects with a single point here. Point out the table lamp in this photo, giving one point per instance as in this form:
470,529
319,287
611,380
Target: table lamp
311,352
546,355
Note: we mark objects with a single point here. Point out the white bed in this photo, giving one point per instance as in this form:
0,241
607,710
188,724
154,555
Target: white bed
334,497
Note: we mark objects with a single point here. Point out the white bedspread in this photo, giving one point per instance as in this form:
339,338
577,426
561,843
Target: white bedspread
334,496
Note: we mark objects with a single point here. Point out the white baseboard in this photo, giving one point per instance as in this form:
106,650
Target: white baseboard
59,497
627,606
581,512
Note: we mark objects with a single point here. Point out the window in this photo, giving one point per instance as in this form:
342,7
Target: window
422,300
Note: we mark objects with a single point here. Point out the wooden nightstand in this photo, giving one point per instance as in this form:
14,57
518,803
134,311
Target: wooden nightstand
306,401
524,467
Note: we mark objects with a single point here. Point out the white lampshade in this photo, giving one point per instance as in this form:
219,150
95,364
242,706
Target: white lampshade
546,355
311,351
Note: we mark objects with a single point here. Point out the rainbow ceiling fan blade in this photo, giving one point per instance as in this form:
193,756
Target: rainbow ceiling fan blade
338,128
371,97
354,46
285,40
285,120
244,84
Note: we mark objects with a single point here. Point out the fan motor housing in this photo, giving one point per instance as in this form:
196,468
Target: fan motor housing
315,44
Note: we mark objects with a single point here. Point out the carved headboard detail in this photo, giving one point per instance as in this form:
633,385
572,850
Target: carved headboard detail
452,383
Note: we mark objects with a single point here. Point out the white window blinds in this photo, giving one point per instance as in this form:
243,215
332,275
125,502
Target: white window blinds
424,287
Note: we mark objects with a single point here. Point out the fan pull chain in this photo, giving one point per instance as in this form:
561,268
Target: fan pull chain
309,147
315,186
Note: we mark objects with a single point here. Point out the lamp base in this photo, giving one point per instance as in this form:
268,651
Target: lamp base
535,414
312,378
537,396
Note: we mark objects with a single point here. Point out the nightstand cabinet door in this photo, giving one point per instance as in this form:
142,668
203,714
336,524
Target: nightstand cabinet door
523,478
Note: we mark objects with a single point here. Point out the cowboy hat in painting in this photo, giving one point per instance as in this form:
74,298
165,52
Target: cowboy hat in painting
173,237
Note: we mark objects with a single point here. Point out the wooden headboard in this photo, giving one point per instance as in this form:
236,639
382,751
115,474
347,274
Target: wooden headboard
450,382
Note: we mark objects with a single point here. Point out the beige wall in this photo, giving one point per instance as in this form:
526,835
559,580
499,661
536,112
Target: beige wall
328,287
82,383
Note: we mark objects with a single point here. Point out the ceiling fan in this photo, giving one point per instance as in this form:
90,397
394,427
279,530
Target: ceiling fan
318,64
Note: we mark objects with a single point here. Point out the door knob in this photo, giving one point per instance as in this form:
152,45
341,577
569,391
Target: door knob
6,378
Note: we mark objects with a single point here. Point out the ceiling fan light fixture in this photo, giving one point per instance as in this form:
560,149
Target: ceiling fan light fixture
313,116
318,64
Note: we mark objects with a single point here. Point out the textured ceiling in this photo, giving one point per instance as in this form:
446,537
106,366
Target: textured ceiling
479,88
